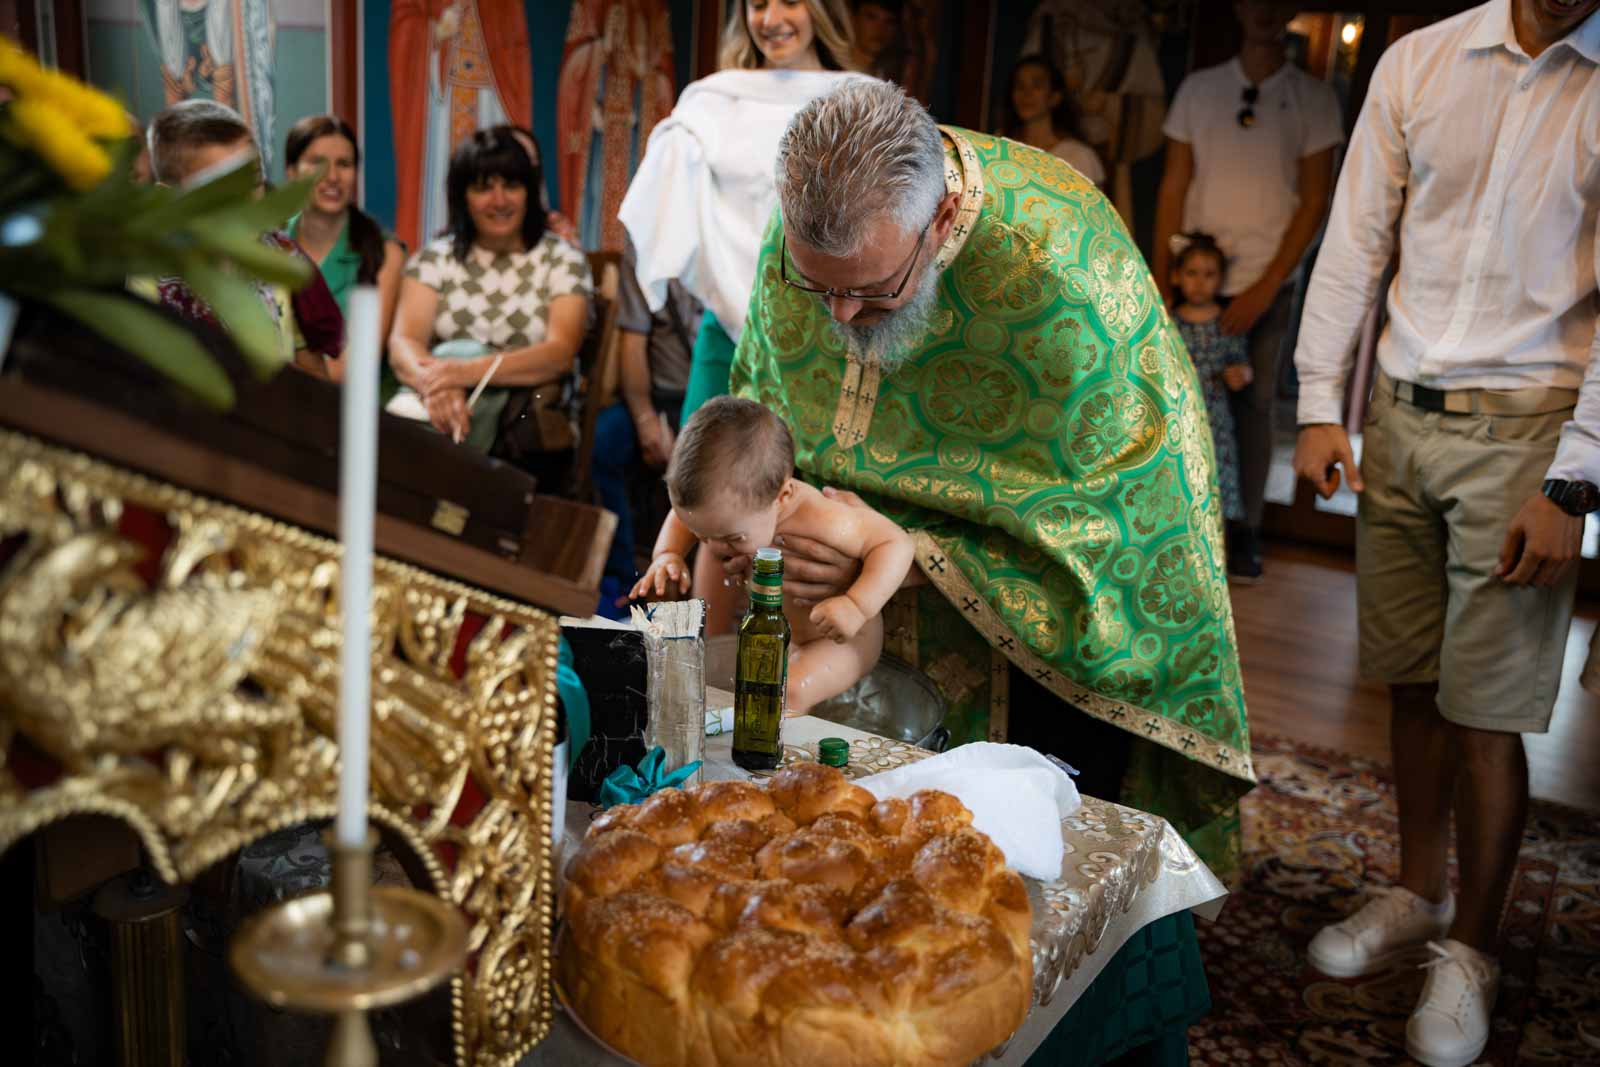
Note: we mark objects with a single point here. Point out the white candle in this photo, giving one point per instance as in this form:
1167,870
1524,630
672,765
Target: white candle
358,478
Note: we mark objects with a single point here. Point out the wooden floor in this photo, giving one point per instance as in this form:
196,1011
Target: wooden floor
1297,644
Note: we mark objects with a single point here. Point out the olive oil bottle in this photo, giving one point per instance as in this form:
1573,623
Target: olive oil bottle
763,668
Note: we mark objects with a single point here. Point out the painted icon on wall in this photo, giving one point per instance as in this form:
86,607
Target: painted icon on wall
455,67
616,84
219,50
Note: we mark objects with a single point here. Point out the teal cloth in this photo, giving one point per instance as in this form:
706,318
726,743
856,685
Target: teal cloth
1139,1007
339,267
628,785
711,366
574,701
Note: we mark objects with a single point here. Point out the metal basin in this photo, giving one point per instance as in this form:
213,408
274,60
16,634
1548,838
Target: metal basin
893,701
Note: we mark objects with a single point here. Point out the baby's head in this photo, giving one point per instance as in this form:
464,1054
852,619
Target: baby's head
729,475
1198,268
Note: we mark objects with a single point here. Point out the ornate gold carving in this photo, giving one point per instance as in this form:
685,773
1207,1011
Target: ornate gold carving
194,696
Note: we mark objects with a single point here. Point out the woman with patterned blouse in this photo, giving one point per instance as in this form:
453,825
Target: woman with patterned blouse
496,285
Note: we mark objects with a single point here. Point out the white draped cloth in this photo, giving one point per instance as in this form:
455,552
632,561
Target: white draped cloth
700,200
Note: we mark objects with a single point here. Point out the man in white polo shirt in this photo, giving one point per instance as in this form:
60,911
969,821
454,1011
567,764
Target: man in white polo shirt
1249,161
1478,154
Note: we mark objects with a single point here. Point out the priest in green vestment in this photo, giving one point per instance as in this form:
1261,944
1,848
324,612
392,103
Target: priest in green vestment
959,329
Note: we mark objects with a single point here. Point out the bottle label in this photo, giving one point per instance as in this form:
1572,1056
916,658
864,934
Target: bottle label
761,661
759,692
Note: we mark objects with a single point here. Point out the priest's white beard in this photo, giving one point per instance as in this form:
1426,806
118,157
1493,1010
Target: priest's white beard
889,341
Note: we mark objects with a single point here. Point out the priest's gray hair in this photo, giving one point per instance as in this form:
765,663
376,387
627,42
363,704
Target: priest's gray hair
853,155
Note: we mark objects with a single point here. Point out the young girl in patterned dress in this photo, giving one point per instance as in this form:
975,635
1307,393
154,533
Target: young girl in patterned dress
1222,360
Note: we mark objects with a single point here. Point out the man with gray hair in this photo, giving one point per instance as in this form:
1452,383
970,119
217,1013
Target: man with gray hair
959,328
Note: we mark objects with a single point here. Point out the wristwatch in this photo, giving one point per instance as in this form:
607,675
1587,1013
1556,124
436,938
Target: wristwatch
1575,498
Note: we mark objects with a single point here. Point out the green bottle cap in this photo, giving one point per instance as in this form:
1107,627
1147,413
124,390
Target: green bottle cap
834,751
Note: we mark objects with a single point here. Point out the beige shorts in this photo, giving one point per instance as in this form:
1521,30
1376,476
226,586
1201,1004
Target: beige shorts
1441,490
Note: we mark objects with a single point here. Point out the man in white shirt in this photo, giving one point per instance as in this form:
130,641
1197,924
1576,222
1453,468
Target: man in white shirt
1249,161
1478,151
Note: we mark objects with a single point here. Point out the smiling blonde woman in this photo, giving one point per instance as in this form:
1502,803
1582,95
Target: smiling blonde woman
702,196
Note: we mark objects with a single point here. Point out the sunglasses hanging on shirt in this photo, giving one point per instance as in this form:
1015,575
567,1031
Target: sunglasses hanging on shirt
1247,113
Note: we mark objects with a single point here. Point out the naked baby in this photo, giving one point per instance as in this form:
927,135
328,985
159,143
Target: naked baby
732,488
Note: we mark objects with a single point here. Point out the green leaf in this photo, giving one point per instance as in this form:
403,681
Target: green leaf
182,207
269,212
243,246
117,186
238,305
163,344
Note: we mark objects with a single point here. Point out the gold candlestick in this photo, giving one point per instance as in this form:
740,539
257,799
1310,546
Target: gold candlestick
347,951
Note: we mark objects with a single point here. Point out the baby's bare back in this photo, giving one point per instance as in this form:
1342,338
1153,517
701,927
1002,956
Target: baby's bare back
830,524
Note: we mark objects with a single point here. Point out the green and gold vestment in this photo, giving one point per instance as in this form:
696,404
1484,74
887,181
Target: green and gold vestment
1047,445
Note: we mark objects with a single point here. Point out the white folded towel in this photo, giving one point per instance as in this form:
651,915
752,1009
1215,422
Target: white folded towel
1016,796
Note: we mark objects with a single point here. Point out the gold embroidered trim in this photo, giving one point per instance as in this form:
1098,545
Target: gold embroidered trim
999,696
968,181
858,396
937,565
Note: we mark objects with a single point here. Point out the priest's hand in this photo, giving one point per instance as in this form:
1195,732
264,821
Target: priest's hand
914,575
813,572
1319,453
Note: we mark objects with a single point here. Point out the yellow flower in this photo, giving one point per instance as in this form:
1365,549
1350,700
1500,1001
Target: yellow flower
49,131
95,113
19,70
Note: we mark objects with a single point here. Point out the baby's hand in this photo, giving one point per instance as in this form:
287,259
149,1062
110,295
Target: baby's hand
666,570
1237,375
838,618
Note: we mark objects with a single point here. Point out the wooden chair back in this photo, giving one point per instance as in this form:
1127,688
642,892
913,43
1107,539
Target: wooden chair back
599,367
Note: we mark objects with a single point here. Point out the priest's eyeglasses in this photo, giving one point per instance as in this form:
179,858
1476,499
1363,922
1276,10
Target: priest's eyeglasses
848,294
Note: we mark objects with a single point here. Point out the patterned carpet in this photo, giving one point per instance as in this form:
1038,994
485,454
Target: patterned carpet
1320,826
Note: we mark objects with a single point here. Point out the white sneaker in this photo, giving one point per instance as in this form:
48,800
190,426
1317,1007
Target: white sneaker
1391,923
1451,1024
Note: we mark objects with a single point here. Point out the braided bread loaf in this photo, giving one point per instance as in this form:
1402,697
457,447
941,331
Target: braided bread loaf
799,925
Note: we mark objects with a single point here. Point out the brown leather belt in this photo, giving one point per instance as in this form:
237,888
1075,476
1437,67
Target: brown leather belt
1535,401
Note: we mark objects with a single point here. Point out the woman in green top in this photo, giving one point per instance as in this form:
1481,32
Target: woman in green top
347,244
